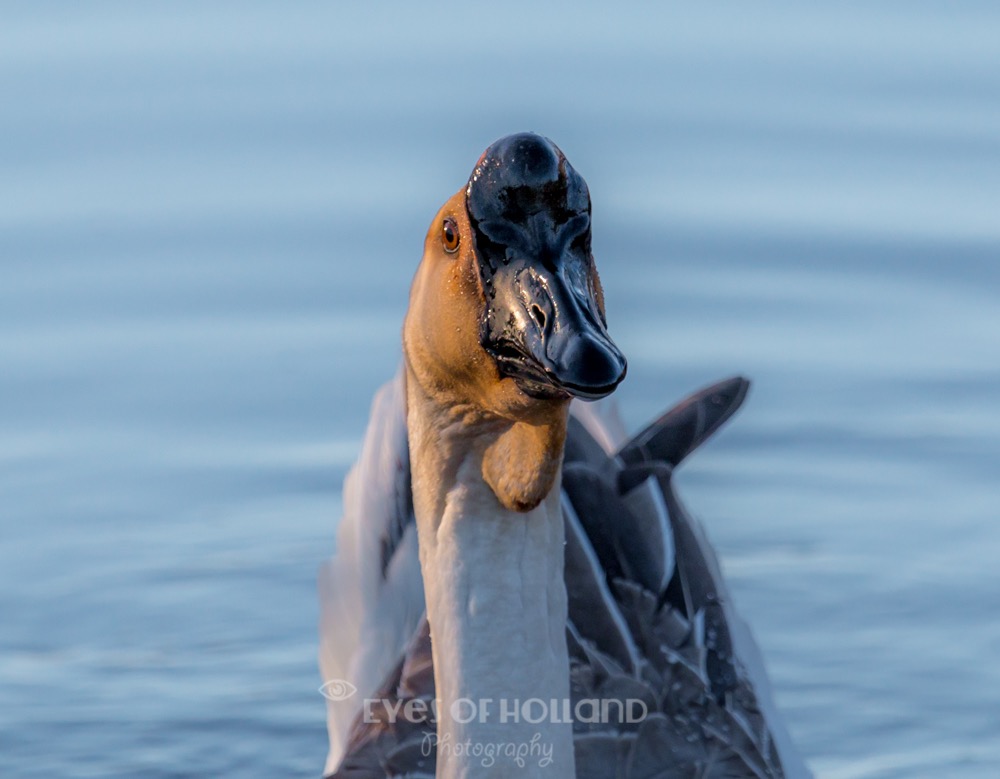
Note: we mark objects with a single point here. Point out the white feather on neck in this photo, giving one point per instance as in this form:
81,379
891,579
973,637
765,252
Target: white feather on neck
496,603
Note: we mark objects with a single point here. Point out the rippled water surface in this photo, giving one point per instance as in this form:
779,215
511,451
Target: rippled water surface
209,217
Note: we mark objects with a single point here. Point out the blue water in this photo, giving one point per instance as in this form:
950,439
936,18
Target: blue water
209,217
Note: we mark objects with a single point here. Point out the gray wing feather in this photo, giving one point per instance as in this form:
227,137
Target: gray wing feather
687,425
381,742
592,608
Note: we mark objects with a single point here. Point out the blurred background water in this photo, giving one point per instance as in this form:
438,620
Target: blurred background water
209,217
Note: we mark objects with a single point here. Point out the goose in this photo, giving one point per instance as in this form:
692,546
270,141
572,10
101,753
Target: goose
517,589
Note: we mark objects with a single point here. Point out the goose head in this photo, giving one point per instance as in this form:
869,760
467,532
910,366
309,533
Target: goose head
507,304
506,318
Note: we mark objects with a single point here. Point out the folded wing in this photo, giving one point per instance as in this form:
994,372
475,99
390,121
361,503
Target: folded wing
650,621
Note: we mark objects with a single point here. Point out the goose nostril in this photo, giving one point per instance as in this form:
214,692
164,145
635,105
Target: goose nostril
538,315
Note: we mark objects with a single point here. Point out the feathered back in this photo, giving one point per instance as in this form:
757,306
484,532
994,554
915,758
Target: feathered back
650,619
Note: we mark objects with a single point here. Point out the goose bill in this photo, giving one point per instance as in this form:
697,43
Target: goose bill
544,331
530,217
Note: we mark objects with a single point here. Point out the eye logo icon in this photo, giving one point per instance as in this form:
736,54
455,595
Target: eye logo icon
337,690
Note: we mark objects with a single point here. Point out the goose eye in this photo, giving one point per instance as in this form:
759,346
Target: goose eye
449,235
